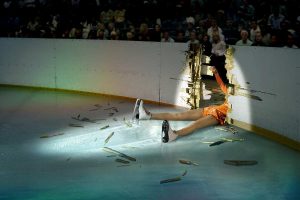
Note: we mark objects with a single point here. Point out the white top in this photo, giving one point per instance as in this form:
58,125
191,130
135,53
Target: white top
274,22
253,33
241,43
168,40
210,33
219,49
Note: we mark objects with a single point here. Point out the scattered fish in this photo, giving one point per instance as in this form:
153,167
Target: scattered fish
108,138
178,178
76,125
127,122
121,102
122,161
123,166
223,140
171,180
115,119
240,162
184,173
107,149
104,127
111,114
84,119
96,139
217,143
233,139
206,142
68,159
48,136
111,156
227,129
188,162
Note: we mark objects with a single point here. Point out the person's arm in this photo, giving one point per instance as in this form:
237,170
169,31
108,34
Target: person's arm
219,79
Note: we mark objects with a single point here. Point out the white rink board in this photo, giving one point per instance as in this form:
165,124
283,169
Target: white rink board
274,74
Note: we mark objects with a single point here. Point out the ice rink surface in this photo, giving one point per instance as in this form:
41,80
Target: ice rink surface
43,156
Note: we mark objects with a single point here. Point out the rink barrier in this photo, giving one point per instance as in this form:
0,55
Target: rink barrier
268,134
144,70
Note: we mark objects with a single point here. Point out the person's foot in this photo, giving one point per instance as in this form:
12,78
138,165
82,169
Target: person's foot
168,134
139,112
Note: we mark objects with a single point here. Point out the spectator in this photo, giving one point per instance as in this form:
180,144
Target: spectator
275,19
266,36
274,40
102,32
190,21
86,28
33,27
144,33
166,37
215,29
254,29
290,42
156,34
246,11
206,45
129,35
258,41
218,56
114,35
231,32
193,38
244,41
180,36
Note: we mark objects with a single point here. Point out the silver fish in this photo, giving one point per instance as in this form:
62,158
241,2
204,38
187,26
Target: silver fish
171,180
104,127
108,138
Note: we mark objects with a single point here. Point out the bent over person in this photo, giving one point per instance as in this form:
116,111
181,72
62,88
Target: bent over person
202,117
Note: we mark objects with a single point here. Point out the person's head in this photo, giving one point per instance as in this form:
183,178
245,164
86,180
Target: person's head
129,35
258,37
244,35
274,40
166,35
253,24
216,37
193,35
100,34
113,35
180,36
214,23
205,38
111,26
157,28
290,40
143,28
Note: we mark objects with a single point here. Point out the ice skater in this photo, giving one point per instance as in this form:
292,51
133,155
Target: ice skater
202,117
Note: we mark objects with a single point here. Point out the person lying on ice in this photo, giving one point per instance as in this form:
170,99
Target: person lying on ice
202,117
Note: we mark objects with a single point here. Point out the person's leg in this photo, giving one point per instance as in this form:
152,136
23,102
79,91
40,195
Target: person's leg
200,123
187,115
169,135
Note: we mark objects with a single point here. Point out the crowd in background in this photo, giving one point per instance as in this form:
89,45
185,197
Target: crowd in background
273,23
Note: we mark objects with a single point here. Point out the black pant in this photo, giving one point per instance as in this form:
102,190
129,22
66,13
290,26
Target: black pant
219,63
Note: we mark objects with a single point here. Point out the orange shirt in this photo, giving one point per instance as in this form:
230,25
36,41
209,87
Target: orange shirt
218,112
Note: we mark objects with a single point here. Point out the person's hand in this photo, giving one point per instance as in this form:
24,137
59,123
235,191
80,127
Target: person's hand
213,69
